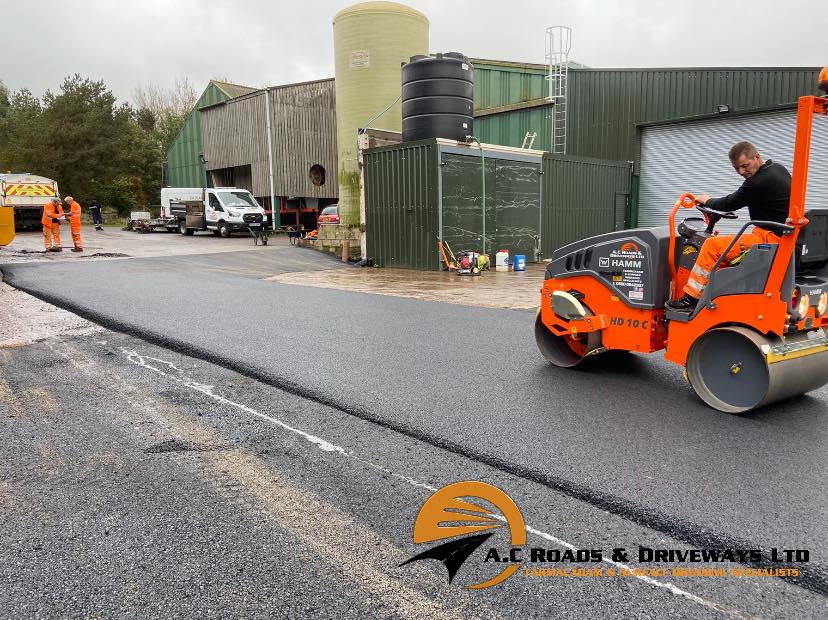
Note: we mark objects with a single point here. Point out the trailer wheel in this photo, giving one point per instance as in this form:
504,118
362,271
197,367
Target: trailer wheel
224,229
264,239
182,228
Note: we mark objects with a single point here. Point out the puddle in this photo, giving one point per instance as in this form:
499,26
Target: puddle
492,289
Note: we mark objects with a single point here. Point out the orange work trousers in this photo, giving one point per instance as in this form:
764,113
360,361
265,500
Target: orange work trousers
713,248
75,226
51,236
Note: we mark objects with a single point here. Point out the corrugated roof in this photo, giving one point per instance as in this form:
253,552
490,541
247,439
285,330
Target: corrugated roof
509,64
531,66
232,90
252,92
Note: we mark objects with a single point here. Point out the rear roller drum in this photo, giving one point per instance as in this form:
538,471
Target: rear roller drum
564,351
735,370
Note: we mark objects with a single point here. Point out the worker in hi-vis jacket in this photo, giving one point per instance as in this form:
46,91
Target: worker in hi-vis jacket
74,222
52,215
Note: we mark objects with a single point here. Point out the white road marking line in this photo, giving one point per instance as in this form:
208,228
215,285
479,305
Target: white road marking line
207,390
142,361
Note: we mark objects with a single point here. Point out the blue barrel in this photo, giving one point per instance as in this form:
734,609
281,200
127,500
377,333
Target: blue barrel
519,262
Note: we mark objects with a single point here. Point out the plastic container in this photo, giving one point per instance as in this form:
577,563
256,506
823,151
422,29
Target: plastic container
437,97
519,262
502,260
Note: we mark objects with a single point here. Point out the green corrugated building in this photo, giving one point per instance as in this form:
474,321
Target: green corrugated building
185,166
606,106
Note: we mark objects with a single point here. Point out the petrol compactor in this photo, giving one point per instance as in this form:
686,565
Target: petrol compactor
760,330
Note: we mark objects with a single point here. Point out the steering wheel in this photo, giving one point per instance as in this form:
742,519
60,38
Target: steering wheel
713,216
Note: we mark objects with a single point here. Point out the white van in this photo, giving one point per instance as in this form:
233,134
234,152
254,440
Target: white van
224,208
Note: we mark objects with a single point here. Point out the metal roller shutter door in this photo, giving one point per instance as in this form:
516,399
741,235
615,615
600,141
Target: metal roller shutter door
692,156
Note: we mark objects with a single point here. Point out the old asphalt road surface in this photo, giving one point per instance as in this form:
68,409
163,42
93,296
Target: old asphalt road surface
247,448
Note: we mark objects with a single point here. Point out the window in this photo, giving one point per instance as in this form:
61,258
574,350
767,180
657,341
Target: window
214,203
238,199
317,175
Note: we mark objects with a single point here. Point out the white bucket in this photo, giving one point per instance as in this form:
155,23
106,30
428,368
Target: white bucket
502,261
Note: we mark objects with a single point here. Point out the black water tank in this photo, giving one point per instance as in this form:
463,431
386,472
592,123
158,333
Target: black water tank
437,97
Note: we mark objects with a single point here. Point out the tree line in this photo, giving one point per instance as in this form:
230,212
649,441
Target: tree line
91,144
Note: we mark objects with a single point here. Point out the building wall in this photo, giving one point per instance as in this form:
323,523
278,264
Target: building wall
235,134
184,165
501,83
304,134
509,101
605,105
419,192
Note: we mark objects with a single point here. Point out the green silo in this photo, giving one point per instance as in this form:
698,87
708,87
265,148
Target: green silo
371,41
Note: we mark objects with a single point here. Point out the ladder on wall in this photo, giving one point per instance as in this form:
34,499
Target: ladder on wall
558,44
529,139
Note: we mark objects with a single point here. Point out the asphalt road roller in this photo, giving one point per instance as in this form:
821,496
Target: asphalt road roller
759,333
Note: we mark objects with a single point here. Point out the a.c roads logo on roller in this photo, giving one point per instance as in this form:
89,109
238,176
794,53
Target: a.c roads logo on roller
452,514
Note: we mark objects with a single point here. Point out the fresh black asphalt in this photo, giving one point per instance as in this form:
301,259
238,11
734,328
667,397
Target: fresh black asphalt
626,434
127,493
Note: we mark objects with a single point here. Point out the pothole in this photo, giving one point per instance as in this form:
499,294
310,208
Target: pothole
178,445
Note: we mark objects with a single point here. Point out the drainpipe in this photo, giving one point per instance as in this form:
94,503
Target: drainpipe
440,200
483,183
363,236
274,214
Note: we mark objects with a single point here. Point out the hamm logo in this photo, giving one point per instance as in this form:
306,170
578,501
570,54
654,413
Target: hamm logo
455,513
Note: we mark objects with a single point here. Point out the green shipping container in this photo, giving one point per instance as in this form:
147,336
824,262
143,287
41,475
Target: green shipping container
420,192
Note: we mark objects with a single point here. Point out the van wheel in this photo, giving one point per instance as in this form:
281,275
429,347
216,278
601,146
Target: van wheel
224,229
182,227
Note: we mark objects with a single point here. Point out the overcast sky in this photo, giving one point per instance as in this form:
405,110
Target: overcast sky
268,42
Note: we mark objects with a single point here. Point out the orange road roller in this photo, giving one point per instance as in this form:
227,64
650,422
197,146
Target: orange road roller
759,332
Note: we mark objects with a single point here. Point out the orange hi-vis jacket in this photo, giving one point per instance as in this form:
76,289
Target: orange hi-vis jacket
74,214
50,210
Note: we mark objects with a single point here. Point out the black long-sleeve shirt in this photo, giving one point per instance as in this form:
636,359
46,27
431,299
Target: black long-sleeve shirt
766,194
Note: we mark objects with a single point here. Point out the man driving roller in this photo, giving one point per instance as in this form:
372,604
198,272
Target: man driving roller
766,193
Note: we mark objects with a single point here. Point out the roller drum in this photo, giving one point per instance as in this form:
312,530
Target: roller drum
736,369
563,351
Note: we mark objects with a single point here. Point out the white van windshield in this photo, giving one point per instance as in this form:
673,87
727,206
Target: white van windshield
237,199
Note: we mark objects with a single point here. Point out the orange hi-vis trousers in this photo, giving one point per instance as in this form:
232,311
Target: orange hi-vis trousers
51,236
713,248
74,224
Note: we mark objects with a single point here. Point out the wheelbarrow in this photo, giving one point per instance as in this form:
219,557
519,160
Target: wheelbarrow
256,226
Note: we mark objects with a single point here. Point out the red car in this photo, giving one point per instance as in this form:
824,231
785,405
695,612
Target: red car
329,215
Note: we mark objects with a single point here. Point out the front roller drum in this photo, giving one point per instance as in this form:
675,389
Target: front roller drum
736,369
565,351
